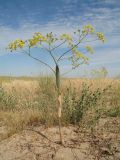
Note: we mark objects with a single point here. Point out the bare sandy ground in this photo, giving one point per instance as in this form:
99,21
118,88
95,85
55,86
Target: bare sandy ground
40,143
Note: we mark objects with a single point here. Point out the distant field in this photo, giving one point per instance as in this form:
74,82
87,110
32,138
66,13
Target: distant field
8,78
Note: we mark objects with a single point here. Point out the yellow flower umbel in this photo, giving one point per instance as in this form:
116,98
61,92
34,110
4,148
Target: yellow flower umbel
88,29
100,36
66,37
37,38
90,49
16,44
50,38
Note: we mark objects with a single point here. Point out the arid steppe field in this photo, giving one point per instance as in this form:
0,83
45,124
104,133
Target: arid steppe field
29,123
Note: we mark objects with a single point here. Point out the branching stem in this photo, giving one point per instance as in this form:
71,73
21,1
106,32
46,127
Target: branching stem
28,53
71,48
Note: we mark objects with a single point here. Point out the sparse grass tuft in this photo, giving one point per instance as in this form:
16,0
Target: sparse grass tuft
113,112
16,121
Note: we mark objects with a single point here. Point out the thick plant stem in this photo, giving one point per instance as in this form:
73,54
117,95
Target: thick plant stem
59,101
58,79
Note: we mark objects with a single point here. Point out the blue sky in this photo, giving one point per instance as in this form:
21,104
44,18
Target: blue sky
21,18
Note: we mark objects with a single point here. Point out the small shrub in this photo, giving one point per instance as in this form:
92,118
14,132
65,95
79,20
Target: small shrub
77,104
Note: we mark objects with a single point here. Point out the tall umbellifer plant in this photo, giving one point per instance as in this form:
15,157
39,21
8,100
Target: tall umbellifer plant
50,43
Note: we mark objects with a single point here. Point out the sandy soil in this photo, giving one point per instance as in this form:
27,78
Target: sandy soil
39,143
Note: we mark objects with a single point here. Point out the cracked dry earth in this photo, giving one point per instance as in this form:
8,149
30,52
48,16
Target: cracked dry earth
39,143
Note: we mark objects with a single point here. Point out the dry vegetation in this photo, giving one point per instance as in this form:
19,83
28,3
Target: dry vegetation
89,105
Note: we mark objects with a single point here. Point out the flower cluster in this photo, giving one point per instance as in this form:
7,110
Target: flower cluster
90,49
66,37
73,42
100,36
16,44
50,38
37,38
88,29
78,57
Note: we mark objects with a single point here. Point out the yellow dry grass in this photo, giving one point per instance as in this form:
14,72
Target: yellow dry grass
14,122
32,85
26,92
95,83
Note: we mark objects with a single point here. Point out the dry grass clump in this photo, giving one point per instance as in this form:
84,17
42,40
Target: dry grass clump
16,121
